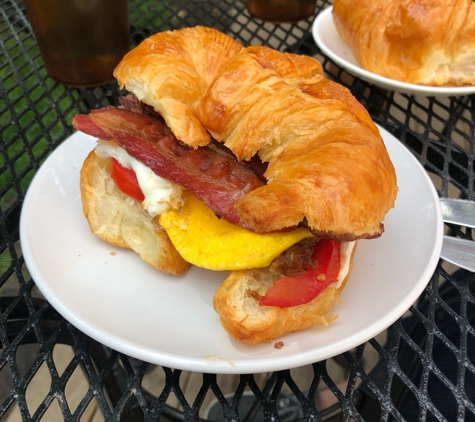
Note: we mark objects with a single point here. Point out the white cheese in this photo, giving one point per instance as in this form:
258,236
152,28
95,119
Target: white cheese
156,190
345,255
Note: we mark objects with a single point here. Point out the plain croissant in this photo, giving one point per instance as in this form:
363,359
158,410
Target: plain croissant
429,42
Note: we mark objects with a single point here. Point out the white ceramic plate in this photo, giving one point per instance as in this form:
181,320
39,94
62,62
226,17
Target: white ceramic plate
127,305
327,38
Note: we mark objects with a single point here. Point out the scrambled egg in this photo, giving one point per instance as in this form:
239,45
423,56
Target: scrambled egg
206,241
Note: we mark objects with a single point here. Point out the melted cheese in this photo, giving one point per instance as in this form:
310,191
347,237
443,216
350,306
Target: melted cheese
157,191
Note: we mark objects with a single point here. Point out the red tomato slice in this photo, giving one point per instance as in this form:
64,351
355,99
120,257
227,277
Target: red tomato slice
293,291
126,180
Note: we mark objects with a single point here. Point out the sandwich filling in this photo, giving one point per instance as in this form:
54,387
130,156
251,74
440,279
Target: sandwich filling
157,191
209,242
190,193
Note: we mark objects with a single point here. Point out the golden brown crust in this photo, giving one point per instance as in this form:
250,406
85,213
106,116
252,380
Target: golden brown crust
121,221
236,104
172,70
429,42
327,162
248,322
328,166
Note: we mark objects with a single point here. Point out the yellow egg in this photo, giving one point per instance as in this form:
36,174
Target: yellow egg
204,240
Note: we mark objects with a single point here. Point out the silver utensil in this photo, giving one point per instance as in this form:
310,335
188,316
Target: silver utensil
458,211
460,252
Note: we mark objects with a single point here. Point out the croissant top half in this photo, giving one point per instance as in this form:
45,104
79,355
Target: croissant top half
327,164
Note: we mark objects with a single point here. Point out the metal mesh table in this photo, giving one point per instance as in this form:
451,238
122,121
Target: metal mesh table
424,368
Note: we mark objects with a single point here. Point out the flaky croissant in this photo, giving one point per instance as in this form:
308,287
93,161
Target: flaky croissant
327,164
260,101
172,70
429,42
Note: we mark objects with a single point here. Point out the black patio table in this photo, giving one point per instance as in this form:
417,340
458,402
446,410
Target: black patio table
424,363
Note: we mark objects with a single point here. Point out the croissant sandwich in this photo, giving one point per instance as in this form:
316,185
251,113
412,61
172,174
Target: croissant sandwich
428,42
239,159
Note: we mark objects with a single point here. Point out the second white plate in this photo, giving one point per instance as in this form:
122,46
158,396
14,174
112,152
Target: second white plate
329,41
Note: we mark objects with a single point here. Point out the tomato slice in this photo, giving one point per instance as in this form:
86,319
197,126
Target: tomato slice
293,291
126,180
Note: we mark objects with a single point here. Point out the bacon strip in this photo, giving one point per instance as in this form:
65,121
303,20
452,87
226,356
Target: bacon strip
130,102
214,177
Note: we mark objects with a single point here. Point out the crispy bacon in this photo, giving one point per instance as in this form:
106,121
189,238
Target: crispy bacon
130,102
215,177
254,164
